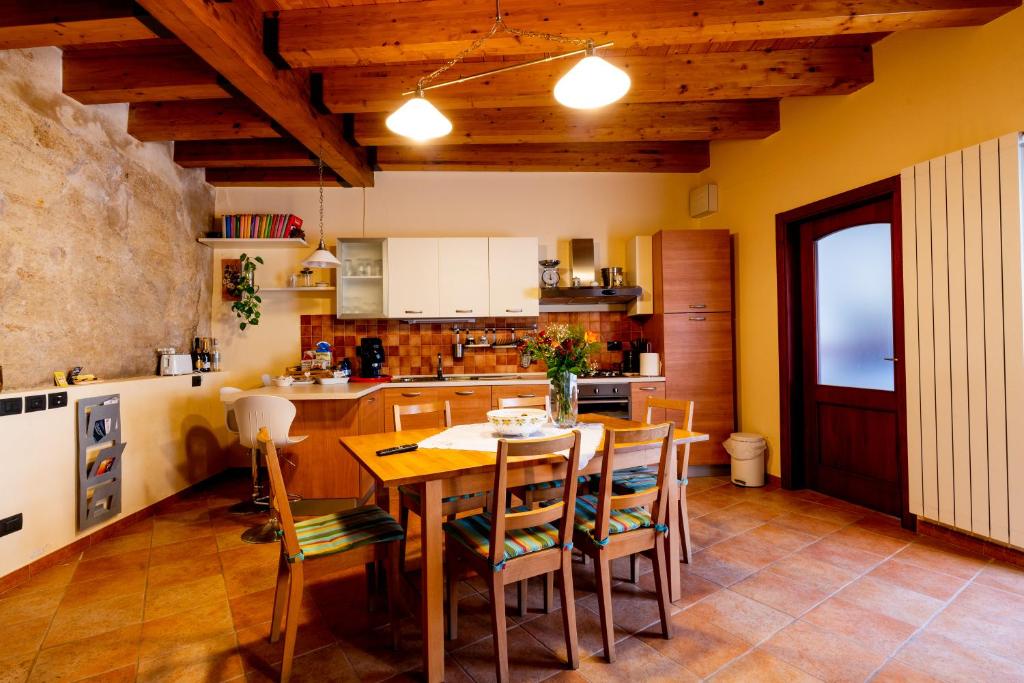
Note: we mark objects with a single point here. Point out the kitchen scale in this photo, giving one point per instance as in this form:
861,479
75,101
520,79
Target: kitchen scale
549,276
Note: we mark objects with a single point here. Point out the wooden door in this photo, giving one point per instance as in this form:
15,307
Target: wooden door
850,330
692,271
412,287
463,281
514,276
639,392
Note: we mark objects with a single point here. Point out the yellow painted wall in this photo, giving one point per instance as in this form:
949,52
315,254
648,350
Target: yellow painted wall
934,92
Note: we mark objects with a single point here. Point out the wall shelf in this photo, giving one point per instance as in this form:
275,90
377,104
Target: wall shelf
265,243
297,289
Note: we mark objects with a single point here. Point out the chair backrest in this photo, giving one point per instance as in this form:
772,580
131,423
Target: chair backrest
680,406
656,498
564,510
423,409
255,412
229,408
278,494
525,402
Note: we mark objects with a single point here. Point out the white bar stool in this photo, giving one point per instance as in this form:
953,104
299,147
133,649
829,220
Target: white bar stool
253,504
276,414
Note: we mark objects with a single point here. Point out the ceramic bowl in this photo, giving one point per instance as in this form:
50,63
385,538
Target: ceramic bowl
332,380
282,381
517,421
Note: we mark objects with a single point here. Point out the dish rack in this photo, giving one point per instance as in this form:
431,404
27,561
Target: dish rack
509,338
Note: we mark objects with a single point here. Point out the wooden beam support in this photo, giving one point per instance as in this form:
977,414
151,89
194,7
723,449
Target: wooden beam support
389,33
143,73
24,23
198,120
229,37
712,76
270,177
242,154
738,120
657,157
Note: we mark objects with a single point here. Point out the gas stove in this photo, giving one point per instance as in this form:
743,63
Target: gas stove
604,374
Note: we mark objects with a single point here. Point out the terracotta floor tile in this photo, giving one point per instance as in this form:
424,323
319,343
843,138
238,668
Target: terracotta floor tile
634,661
762,667
693,587
780,537
782,593
805,524
1003,637
750,620
128,582
832,514
941,558
869,627
30,606
215,659
817,573
1006,577
898,672
111,567
528,659
369,651
823,654
259,654
700,484
80,659
475,621
117,545
15,668
868,541
182,551
124,674
197,513
886,526
634,608
899,603
837,553
710,564
950,660
255,608
55,577
910,576
24,636
173,573
547,628
167,531
453,673
730,522
707,502
250,568
163,602
704,535
699,646
991,603
185,628
80,621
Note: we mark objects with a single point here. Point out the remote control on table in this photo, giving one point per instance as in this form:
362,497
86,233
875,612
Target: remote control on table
397,449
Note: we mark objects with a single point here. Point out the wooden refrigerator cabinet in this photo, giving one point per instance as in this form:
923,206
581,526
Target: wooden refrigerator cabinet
692,329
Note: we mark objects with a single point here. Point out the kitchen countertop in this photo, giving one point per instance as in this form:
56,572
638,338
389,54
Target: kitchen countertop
356,390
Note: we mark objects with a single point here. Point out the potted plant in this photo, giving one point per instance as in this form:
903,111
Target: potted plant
566,350
243,285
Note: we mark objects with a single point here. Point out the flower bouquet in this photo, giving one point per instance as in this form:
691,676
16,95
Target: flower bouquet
566,350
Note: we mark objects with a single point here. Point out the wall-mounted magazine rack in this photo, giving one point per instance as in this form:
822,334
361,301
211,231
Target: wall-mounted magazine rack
100,450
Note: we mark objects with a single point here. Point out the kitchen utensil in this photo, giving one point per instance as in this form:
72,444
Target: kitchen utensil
517,421
611,277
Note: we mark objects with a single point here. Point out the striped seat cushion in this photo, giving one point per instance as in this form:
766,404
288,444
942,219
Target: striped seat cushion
475,534
636,479
620,521
414,494
556,484
346,530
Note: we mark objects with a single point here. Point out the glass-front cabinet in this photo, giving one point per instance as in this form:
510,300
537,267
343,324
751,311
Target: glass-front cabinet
361,281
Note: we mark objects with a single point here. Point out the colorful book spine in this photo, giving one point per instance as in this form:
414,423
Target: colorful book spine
259,226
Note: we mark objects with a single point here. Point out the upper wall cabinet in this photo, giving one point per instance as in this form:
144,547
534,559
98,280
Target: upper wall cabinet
692,271
463,286
513,276
413,272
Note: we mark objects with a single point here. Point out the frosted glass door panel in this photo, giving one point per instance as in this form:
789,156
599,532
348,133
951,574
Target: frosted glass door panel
853,282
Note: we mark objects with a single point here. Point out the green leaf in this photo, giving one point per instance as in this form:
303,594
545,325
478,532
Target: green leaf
259,259
241,326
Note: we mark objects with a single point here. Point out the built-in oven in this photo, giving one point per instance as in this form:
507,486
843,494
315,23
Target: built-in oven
604,398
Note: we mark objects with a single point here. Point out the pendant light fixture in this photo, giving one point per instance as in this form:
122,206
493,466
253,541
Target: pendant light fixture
321,257
591,83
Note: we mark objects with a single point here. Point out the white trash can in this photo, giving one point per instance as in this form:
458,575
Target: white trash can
747,452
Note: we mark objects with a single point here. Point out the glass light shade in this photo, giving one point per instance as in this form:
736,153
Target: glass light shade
591,83
321,258
420,120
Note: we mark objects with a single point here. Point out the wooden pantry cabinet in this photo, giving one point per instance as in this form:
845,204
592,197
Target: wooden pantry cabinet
692,329
469,405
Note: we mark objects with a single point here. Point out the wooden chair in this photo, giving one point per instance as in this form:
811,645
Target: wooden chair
611,526
408,496
639,479
507,546
365,534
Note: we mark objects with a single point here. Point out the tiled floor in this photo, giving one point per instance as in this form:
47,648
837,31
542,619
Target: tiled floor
788,586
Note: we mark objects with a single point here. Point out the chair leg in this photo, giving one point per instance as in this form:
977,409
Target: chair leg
522,594
572,646
602,569
500,632
453,600
684,522
661,565
394,582
291,625
634,568
280,599
549,592
403,521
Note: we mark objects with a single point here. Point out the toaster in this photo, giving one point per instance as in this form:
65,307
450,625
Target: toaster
176,364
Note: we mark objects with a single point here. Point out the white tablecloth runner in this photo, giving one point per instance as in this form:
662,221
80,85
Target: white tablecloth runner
482,437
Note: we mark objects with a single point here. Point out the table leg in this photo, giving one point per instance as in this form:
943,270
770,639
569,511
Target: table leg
433,581
675,526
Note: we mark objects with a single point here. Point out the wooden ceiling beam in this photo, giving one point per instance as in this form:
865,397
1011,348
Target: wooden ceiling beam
712,76
637,157
270,177
388,33
72,22
242,154
736,120
144,73
198,120
229,37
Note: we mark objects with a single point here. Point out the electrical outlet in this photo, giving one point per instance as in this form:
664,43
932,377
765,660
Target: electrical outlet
35,403
10,524
10,406
197,380
58,399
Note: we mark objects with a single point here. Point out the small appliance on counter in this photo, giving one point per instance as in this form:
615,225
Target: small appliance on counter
172,363
371,357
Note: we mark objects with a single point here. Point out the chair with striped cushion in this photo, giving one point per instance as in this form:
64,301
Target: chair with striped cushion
365,535
506,546
609,526
408,496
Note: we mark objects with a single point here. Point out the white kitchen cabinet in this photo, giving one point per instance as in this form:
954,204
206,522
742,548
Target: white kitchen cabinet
514,276
463,281
413,277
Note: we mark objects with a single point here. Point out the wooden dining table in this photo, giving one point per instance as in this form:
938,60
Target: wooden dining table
440,473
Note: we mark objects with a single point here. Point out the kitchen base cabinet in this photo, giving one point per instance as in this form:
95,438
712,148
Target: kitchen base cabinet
517,391
469,404
410,396
323,469
639,392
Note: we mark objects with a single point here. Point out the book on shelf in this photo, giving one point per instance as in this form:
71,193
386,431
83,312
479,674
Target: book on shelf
260,226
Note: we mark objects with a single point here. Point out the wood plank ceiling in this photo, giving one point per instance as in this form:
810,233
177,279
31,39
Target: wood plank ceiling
254,90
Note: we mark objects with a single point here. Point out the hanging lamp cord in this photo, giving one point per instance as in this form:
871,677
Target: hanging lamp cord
320,175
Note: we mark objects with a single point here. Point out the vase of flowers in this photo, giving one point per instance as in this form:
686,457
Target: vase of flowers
566,350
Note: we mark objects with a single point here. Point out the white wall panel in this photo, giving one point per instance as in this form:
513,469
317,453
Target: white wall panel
940,321
926,341
911,363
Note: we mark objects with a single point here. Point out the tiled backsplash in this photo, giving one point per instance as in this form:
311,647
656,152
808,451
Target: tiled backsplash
413,349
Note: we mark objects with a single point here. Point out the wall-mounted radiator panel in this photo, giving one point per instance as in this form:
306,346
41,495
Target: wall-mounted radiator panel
964,316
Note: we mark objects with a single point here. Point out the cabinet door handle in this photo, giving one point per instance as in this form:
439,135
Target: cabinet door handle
464,393
414,312
412,394
463,310
513,310
527,396
371,399
698,305
697,318
648,388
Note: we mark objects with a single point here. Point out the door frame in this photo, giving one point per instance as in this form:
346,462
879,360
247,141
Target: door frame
788,227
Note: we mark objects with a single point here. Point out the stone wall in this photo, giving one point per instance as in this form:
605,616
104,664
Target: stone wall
98,260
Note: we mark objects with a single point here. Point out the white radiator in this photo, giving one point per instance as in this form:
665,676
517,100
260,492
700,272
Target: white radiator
962,264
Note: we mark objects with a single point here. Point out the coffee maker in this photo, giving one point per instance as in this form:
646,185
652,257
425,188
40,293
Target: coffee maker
371,357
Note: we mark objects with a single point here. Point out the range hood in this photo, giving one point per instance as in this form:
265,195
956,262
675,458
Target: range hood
582,270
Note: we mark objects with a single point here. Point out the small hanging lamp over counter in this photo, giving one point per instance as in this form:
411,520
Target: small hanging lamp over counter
321,257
